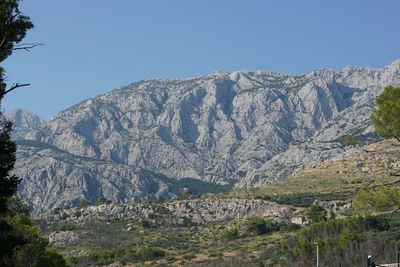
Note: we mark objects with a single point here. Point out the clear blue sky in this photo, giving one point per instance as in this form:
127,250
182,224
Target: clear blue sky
94,46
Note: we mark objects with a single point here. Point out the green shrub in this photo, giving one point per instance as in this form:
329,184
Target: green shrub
256,226
316,213
104,257
230,234
65,226
149,253
50,257
214,254
103,200
188,256
349,140
169,242
145,223
83,203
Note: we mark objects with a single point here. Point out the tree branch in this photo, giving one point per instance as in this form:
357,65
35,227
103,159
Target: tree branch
4,38
392,183
15,86
373,181
26,47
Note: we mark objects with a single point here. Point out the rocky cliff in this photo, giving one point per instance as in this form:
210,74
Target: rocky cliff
239,128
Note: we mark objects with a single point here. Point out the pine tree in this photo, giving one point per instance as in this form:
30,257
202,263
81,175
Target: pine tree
386,118
8,182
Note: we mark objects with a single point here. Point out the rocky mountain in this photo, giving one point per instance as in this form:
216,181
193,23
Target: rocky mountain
23,118
23,121
239,128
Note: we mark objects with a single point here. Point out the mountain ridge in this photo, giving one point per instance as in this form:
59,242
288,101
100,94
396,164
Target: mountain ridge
241,128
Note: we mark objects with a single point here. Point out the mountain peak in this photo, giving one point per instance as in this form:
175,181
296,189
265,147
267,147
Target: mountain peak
23,118
394,66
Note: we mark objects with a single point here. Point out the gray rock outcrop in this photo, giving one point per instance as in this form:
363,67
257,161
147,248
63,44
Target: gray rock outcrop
173,213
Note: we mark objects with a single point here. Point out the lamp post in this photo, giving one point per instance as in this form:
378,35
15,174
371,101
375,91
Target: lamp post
398,257
316,243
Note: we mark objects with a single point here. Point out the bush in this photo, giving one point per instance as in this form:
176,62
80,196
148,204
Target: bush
188,256
104,257
230,234
83,203
103,200
145,223
316,213
50,257
349,140
65,226
149,253
256,226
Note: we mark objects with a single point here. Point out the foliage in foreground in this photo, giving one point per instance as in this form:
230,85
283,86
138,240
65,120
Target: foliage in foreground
386,118
344,241
380,199
20,243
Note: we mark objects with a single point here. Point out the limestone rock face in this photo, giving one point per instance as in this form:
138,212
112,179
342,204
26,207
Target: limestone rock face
241,128
63,238
23,118
54,178
23,121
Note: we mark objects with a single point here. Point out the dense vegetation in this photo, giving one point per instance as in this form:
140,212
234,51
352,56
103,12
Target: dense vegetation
346,241
304,199
375,200
21,243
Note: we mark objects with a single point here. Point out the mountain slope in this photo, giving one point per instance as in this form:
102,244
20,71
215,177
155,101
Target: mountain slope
243,128
341,176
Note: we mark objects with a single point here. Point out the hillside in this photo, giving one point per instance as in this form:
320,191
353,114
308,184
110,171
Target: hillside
342,175
200,232
238,129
